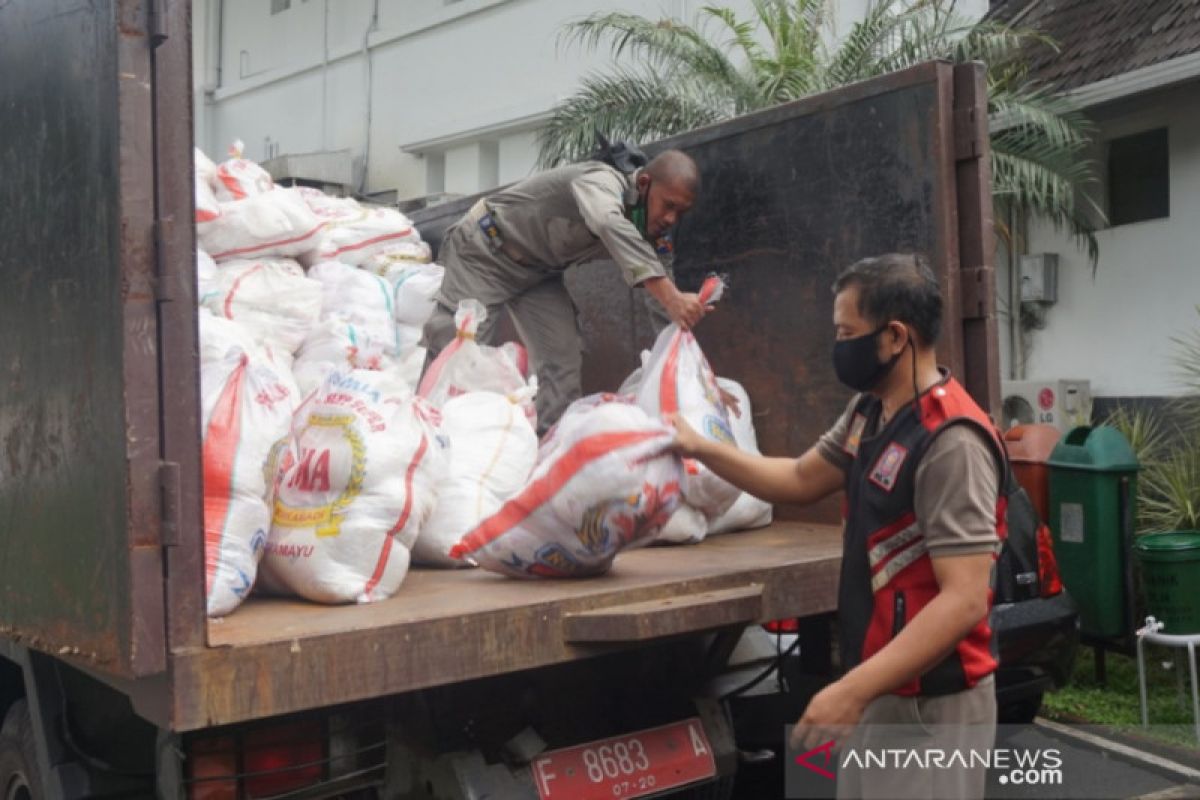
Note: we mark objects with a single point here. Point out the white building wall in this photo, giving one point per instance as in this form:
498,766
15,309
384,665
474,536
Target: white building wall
1116,328
445,75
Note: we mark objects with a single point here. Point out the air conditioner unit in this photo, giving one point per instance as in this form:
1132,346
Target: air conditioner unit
1060,402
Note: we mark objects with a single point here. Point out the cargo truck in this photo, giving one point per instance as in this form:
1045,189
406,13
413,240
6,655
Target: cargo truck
464,685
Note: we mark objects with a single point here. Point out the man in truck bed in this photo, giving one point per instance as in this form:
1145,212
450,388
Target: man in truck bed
510,251
922,467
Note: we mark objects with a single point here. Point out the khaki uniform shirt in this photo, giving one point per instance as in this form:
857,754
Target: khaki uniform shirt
956,486
576,214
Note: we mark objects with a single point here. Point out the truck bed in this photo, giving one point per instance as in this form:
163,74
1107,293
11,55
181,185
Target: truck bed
275,656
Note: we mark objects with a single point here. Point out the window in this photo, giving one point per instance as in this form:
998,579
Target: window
1139,184
278,6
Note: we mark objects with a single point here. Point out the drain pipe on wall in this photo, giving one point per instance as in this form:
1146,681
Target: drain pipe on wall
372,25
325,81
1018,331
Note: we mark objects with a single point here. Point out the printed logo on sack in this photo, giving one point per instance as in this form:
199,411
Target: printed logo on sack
305,490
716,428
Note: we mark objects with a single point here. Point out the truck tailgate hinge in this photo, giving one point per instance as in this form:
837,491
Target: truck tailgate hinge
970,131
164,276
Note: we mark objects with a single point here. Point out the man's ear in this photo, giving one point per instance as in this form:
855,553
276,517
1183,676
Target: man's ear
643,183
901,334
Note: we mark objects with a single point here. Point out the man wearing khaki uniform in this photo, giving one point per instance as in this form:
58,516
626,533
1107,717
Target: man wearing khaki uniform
511,249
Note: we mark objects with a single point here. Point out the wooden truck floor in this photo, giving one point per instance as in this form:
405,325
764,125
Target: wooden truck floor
277,656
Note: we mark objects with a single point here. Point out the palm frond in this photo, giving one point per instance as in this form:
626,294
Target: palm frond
628,105
1036,187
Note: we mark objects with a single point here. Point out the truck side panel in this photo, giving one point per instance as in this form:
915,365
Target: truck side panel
79,495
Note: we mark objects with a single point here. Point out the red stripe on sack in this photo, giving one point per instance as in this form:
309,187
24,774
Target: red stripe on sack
368,242
540,491
709,288
232,183
435,369
668,390
267,245
430,379
236,285
219,452
402,521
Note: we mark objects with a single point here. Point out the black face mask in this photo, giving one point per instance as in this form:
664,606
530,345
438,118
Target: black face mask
856,361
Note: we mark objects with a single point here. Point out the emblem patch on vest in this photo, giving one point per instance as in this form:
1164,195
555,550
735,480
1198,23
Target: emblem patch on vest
883,474
855,434
664,245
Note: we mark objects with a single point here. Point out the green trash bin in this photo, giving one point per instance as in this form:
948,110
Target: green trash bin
1093,482
1170,575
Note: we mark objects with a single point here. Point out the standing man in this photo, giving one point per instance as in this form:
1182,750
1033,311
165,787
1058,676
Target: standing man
921,466
511,249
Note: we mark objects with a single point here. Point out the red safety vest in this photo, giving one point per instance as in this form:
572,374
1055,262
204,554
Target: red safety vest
887,575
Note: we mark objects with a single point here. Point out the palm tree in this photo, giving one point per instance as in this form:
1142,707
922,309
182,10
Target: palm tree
672,77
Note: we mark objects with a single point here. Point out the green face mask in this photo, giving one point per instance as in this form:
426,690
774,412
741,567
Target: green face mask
637,215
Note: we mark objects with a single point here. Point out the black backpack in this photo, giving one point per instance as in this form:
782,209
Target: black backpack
1017,575
624,156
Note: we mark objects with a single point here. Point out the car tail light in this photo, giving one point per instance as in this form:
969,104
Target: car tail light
257,763
1048,577
278,760
782,626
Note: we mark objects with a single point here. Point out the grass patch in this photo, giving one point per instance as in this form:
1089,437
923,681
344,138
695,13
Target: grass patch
1084,701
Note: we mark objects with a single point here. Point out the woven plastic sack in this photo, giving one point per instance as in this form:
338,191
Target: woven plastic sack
414,287
370,231
493,449
337,346
398,254
354,489
246,409
467,366
272,298
207,206
274,224
239,177
605,481
359,298
677,379
747,511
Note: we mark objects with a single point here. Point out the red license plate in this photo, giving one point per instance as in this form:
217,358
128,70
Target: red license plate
633,765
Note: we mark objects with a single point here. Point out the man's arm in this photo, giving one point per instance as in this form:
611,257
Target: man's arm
599,195
932,634
802,480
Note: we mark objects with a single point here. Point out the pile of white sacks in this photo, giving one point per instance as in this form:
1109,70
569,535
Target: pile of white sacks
331,463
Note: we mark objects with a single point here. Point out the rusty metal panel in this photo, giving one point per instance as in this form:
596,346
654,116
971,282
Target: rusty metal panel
976,238
178,335
79,496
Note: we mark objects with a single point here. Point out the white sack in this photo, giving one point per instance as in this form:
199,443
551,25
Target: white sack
358,484
492,451
605,481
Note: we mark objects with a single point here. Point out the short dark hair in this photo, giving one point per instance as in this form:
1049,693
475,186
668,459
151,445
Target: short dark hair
896,286
675,166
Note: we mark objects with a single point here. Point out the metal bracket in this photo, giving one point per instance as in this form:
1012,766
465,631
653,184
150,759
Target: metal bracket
977,290
168,481
158,22
969,131
164,283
